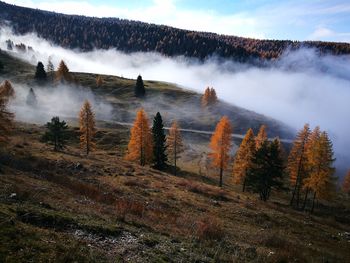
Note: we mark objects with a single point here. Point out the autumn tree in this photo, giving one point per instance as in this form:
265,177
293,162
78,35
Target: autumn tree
220,145
140,90
159,143
321,180
346,183
310,150
266,172
99,81
40,73
209,97
140,147
243,159
174,144
87,127
6,117
261,137
56,133
298,162
31,98
62,73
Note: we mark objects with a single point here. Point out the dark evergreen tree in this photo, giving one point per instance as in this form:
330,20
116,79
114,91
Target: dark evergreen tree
56,133
1,66
31,98
9,44
159,143
140,87
266,172
40,73
50,68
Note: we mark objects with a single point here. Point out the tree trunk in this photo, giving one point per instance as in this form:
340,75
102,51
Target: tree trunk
305,199
244,183
298,194
175,143
221,172
293,195
55,148
87,135
313,203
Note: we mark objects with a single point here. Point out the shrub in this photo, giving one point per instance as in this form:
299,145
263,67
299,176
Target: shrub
126,206
209,228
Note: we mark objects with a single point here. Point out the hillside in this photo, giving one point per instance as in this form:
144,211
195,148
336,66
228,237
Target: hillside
65,207
167,98
88,33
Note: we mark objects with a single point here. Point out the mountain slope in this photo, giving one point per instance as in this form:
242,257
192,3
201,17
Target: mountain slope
87,33
172,101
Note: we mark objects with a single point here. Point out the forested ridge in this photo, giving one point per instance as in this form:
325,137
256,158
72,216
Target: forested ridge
87,33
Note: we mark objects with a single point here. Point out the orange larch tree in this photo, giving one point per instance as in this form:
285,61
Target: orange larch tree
140,147
212,96
261,137
6,117
87,127
220,145
205,97
174,144
62,73
346,183
312,141
209,97
297,163
321,180
99,81
243,159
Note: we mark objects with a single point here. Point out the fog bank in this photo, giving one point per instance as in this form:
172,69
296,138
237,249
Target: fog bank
301,87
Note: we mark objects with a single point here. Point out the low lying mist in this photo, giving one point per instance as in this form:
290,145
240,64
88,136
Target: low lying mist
301,87
63,101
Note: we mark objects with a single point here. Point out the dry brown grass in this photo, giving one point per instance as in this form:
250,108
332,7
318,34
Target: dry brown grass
125,206
204,190
187,210
209,228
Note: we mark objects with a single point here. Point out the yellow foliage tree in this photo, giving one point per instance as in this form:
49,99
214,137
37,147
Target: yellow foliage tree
209,97
213,97
99,81
6,117
346,183
220,145
87,127
243,159
320,158
140,147
261,137
174,144
298,162
62,73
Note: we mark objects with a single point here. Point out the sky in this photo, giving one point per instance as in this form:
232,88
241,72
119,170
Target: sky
326,20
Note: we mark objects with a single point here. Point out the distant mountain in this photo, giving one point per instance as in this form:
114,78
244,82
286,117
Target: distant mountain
87,33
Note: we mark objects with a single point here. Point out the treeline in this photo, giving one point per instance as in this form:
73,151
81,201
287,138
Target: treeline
88,33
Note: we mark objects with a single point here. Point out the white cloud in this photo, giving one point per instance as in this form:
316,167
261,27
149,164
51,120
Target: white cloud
326,34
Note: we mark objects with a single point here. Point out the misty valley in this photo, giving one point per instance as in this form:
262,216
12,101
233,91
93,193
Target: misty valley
123,141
